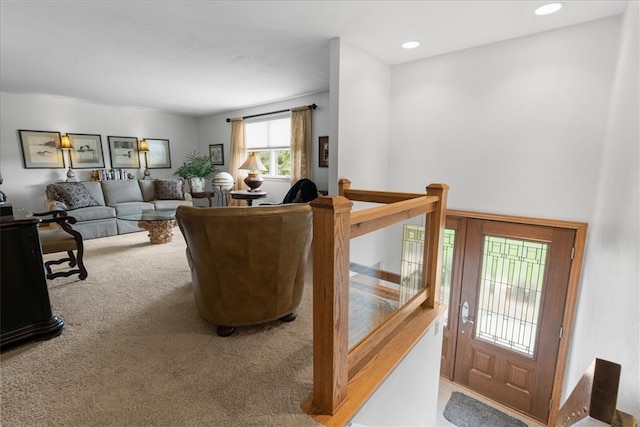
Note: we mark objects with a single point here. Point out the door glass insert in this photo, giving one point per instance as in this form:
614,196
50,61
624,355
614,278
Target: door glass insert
510,292
446,275
411,263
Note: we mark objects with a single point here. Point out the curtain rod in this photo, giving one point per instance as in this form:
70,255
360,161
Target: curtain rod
312,106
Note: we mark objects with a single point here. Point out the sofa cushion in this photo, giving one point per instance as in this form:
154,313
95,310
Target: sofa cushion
132,207
95,189
171,204
120,191
169,189
93,213
148,188
73,194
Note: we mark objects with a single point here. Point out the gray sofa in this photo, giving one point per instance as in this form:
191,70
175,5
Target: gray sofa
95,204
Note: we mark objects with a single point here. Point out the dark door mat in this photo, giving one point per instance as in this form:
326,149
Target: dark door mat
465,411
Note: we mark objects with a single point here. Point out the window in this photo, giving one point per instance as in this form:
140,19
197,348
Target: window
271,141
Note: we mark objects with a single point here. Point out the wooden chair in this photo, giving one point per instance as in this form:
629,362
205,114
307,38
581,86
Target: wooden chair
61,238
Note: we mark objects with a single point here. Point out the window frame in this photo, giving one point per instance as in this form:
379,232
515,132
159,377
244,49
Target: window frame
272,149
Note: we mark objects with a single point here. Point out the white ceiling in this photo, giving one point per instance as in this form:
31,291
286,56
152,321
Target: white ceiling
205,57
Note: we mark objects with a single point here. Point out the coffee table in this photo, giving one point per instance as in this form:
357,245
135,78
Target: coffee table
159,223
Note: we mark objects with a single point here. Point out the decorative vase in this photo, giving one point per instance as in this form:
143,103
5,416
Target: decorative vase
196,184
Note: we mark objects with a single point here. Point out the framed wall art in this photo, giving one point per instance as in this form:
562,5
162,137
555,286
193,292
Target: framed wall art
87,151
216,154
158,156
41,149
123,151
323,151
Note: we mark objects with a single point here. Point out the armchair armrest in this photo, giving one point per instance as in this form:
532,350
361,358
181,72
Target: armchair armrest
55,205
59,217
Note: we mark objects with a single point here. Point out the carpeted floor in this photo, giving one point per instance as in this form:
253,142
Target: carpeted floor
134,352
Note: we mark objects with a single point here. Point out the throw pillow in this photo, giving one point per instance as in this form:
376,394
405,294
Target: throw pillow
169,189
72,194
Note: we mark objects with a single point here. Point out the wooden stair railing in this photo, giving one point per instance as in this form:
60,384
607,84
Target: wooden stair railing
596,395
336,367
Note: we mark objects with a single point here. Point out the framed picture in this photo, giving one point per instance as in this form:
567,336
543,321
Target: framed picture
87,151
123,151
158,156
216,154
323,153
41,149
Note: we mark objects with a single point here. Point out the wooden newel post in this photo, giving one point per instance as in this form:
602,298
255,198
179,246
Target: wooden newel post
331,222
343,184
437,224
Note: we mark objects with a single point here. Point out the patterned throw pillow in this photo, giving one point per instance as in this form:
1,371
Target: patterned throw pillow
169,189
72,194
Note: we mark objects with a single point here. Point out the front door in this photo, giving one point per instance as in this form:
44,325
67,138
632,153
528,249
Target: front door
513,286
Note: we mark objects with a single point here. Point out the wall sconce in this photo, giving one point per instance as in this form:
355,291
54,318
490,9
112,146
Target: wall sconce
144,148
253,165
65,145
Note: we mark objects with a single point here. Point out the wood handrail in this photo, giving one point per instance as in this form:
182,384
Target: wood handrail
335,367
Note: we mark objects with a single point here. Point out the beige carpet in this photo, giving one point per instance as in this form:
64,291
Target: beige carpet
134,352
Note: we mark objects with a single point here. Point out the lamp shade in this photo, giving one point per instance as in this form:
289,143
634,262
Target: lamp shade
65,143
253,163
143,146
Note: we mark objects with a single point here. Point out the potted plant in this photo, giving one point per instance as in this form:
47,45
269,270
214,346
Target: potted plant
195,170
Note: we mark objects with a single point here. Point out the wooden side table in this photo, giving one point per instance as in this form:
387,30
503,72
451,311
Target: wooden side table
249,196
204,195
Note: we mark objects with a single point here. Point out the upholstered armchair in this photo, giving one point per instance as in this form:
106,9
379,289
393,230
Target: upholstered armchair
247,263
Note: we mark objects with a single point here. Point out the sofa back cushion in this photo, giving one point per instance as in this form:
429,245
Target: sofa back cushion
95,189
148,188
120,191
72,194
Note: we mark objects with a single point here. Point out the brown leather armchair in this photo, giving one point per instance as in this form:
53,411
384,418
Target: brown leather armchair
247,263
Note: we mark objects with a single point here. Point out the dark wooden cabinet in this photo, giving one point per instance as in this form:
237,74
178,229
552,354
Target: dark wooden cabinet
24,298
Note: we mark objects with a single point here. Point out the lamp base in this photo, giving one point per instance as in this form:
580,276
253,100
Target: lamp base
253,181
147,174
71,176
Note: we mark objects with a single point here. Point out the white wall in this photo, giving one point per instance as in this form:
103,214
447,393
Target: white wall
514,127
607,318
25,187
363,118
364,102
214,129
390,405
522,127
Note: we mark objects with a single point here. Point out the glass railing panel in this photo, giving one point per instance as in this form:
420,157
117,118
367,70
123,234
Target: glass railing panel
385,272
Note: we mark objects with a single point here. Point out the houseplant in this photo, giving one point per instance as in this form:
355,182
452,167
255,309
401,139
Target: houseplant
195,170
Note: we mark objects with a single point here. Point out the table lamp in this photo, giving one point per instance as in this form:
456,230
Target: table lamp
253,165
65,145
144,148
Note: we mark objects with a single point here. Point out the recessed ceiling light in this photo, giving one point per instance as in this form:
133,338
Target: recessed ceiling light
548,8
411,45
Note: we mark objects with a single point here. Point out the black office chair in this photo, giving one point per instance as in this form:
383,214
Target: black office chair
303,191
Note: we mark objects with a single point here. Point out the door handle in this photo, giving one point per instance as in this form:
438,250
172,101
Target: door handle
464,313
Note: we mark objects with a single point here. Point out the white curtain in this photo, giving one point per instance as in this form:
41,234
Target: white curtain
237,156
300,143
